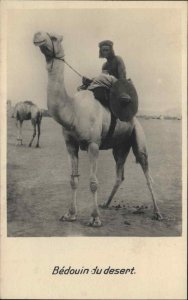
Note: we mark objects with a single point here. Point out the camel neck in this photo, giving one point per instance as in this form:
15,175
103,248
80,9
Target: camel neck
58,101
55,71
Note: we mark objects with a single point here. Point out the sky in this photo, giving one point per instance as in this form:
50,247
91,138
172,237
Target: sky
148,40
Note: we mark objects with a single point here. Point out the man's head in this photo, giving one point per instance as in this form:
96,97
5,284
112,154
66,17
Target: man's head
106,49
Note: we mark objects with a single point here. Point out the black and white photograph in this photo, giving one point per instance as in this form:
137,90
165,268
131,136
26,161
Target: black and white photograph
95,107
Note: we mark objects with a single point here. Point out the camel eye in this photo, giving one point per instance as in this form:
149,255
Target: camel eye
53,38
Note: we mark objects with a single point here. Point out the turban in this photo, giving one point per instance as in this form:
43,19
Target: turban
106,43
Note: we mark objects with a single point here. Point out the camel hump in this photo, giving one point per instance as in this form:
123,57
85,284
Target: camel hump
25,110
124,99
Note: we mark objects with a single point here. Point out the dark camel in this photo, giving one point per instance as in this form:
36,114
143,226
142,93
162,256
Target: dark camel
27,110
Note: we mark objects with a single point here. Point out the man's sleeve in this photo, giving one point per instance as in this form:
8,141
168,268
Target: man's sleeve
104,69
121,68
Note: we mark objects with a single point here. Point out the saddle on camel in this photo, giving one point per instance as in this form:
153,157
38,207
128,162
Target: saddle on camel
111,87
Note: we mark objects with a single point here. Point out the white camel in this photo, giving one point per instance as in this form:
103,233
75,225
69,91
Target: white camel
27,110
85,123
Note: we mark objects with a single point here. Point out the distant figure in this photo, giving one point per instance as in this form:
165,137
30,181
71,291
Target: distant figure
27,110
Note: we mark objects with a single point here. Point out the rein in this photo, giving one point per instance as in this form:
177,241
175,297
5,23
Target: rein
113,118
62,59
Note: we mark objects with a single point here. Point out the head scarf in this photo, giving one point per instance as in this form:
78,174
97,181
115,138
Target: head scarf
106,43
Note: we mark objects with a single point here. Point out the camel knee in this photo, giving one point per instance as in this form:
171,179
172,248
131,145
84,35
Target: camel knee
74,182
93,150
93,184
119,181
120,172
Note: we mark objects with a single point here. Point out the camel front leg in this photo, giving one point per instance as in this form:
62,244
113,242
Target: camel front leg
19,132
34,134
72,148
93,153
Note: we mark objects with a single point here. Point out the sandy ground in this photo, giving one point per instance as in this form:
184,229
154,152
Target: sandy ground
38,189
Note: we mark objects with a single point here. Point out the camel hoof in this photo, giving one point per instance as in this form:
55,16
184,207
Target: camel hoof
95,222
29,145
157,216
68,218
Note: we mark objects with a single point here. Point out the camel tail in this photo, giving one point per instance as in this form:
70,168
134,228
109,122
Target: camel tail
17,115
139,147
138,143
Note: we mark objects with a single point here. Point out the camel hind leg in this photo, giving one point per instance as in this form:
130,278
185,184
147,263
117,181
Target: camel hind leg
39,119
140,151
120,156
38,136
93,153
34,132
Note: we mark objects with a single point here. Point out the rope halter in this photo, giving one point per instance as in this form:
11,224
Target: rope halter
60,58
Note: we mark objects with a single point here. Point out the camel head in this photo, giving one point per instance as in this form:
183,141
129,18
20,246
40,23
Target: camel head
49,44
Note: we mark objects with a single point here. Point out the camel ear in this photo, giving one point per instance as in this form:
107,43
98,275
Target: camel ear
56,37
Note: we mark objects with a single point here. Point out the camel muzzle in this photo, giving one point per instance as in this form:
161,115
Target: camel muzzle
39,43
